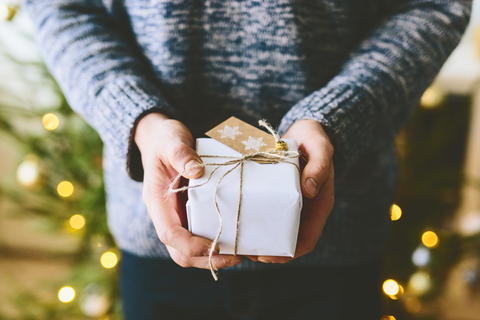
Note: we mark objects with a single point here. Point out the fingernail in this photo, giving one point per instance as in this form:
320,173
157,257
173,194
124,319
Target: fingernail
311,186
207,253
193,167
233,262
264,260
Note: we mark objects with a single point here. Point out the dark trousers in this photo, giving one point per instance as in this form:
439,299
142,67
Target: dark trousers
159,289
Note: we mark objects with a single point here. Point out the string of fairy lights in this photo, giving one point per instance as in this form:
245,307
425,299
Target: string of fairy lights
29,176
418,284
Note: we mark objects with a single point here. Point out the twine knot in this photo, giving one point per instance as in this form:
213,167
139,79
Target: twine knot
279,154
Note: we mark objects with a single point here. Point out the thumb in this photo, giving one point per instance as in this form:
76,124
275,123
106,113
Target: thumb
318,168
183,158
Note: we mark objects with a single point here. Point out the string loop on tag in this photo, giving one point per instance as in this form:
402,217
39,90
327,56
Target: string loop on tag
280,145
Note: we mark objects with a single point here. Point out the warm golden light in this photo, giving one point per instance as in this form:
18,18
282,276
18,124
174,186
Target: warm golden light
430,239
432,98
109,260
50,121
419,283
28,173
395,212
412,305
388,318
77,221
65,188
391,287
399,294
66,294
6,12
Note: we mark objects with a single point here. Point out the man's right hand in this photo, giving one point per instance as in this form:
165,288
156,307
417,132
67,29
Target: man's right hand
166,149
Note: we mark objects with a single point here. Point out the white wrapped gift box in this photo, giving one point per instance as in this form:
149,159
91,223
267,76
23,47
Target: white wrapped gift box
270,206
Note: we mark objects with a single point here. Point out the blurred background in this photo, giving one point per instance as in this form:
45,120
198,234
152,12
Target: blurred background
58,260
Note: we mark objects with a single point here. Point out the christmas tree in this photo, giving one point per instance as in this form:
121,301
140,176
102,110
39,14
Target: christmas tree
60,178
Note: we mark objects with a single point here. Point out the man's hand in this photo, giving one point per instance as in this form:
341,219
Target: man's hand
166,149
317,185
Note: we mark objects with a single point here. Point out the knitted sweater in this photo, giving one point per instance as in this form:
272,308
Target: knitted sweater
357,67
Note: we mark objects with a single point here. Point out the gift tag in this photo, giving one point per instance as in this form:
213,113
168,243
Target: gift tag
242,137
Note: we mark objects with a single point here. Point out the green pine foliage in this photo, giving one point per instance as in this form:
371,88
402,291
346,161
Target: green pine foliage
72,152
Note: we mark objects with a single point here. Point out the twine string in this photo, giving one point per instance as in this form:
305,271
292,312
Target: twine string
271,157
238,209
213,269
265,124
236,162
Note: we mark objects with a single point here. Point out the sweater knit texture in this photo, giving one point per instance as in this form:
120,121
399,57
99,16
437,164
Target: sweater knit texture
357,67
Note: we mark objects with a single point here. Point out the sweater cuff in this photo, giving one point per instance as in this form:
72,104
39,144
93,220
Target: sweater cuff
123,103
344,113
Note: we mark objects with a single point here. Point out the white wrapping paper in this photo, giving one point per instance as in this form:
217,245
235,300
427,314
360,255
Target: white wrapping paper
270,206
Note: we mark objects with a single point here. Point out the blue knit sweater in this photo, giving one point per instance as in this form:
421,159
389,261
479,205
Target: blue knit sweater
358,67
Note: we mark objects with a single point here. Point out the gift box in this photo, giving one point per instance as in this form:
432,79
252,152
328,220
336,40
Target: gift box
270,204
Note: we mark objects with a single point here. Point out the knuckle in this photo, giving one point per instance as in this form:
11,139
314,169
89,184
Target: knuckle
182,261
329,149
178,152
319,169
163,238
167,237
145,196
149,197
309,248
190,252
322,166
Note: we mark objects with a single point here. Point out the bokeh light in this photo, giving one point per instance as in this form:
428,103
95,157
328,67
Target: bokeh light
109,260
50,121
388,318
419,283
6,12
391,287
65,188
413,305
77,221
395,212
399,294
430,239
66,294
433,97
28,174
421,256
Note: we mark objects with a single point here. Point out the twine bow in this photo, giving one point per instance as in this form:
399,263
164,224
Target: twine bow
274,156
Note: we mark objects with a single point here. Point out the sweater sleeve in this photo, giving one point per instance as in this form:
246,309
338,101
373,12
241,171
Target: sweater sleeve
101,73
384,78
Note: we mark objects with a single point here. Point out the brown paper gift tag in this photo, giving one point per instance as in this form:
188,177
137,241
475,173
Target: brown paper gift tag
242,137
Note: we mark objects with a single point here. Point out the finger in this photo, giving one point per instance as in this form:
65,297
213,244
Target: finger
183,158
219,261
319,154
314,216
164,213
253,258
274,259
184,241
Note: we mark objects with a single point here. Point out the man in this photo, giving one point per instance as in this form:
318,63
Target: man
338,76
